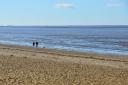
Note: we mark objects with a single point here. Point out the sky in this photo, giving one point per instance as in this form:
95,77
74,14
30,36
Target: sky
63,12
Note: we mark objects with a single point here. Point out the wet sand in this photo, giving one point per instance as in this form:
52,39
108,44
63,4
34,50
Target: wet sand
40,66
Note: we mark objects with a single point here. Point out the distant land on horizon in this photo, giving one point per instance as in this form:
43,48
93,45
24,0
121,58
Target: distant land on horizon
72,26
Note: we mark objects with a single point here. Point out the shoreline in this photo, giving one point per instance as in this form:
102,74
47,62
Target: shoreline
100,52
92,55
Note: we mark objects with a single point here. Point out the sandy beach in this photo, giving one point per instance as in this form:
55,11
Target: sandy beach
21,65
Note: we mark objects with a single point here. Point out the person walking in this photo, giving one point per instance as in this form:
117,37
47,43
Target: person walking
33,44
37,44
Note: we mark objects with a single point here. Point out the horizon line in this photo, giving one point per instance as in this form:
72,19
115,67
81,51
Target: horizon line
66,26
57,25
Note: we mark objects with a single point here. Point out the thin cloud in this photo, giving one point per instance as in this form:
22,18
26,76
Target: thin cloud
114,5
64,5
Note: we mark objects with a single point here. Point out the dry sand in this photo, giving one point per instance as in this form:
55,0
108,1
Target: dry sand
34,66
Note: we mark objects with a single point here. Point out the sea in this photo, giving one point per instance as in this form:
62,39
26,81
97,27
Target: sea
97,39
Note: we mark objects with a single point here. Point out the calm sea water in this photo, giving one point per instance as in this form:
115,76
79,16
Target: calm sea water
100,40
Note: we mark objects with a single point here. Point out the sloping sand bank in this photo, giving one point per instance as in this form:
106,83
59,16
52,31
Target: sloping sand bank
34,66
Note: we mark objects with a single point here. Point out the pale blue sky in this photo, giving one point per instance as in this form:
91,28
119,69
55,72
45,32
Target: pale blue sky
63,12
